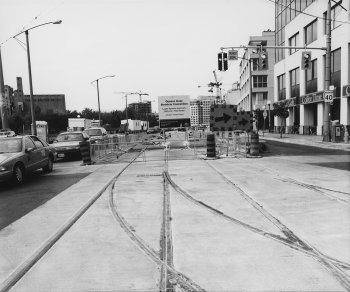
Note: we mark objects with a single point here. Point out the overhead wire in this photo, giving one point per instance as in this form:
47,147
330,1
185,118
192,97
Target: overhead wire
288,6
35,18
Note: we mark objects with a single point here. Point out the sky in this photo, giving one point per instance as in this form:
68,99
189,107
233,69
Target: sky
158,47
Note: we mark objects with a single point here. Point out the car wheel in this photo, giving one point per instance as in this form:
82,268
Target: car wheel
18,174
49,166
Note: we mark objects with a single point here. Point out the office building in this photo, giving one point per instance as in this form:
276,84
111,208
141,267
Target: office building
262,82
302,23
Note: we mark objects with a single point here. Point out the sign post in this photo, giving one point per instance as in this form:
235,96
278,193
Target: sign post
264,115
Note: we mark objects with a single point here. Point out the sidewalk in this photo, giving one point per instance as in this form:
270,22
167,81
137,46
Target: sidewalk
312,140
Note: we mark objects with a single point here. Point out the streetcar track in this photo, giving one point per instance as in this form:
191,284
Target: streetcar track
30,262
160,259
304,248
331,265
308,186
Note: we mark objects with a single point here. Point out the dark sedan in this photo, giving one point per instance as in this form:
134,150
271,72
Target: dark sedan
67,143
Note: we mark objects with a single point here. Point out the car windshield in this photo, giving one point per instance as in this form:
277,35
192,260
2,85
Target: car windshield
10,145
70,137
94,132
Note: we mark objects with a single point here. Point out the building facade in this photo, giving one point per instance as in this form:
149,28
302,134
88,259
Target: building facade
233,95
142,109
8,95
21,103
303,23
262,83
200,110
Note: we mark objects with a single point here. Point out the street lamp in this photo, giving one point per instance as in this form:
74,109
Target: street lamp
30,73
269,103
98,96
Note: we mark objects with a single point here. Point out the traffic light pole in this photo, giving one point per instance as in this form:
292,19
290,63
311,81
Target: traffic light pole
327,107
275,47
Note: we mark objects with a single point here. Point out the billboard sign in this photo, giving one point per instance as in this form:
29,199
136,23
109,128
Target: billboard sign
174,111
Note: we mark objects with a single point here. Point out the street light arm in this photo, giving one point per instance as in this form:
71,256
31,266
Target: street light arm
53,22
102,78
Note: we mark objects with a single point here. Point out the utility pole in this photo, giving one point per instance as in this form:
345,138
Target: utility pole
327,107
3,108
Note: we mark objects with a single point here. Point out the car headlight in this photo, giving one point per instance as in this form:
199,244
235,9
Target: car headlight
3,168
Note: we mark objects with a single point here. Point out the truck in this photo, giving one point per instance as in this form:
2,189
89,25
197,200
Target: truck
78,124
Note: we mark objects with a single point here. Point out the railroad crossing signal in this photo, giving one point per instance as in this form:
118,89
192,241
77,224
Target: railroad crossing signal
306,60
263,61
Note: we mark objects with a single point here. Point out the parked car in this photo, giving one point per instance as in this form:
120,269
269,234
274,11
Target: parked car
67,143
97,135
7,133
23,154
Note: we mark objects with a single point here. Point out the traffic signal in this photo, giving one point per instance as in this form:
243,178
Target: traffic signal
263,61
225,62
220,61
305,60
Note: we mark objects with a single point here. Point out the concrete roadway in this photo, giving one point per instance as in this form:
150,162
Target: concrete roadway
215,252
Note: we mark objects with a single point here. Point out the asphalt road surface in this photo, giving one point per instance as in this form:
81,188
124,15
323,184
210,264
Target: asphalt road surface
313,155
37,189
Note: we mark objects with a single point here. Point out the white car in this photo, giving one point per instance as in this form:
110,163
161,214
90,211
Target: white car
7,133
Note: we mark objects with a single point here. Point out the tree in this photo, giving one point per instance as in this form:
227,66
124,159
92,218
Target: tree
280,110
16,123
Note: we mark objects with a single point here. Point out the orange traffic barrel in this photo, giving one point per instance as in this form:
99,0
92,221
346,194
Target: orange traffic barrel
254,144
85,152
211,145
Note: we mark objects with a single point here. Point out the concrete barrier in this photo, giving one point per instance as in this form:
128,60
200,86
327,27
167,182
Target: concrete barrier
85,152
211,151
254,144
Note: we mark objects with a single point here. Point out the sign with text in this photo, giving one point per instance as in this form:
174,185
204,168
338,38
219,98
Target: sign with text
346,90
312,97
174,111
328,96
232,55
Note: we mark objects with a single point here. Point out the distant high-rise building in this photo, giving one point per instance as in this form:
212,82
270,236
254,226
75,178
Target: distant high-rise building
142,109
200,110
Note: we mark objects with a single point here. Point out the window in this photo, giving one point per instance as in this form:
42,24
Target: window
311,78
260,81
336,70
294,42
335,10
255,62
295,83
311,32
28,143
37,142
281,87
